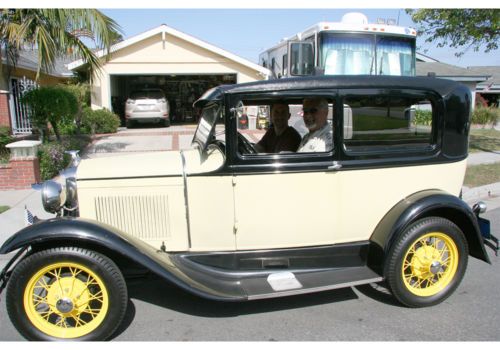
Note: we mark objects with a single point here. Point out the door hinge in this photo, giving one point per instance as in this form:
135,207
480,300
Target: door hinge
234,181
235,228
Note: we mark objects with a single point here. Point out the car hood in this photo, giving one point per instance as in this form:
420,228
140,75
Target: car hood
150,164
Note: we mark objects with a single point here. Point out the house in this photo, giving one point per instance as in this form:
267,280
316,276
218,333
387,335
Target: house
427,66
18,78
489,89
163,57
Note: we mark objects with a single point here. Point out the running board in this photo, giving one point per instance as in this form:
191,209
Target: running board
224,284
279,284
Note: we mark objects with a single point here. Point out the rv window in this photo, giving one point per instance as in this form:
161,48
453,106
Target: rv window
302,58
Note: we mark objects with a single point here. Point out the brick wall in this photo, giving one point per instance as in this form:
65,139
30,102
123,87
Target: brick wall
19,173
4,109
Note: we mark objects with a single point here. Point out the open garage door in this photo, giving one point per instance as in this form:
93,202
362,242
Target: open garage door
181,91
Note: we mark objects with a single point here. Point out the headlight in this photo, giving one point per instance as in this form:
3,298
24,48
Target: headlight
53,196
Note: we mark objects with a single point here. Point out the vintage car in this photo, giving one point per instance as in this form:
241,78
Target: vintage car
381,206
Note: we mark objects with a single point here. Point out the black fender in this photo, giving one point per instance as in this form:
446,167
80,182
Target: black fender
90,233
423,204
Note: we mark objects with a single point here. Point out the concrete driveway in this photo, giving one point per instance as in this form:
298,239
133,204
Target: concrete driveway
141,139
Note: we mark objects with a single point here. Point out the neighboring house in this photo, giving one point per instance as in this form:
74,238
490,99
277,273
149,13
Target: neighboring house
470,78
489,89
163,57
16,80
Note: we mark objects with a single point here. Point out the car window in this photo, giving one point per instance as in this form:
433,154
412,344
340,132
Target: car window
262,124
145,94
387,123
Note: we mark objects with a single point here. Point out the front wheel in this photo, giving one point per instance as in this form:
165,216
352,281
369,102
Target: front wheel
427,263
66,293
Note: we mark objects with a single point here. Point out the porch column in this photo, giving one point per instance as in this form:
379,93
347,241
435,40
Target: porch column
4,109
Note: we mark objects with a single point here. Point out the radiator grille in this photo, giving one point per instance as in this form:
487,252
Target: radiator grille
145,217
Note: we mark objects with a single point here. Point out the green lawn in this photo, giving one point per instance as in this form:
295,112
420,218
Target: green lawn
375,122
3,208
479,175
484,140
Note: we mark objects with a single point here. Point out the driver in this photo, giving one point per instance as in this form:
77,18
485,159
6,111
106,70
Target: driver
280,137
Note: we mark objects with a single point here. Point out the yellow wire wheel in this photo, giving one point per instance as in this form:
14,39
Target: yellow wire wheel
430,264
426,262
66,300
66,293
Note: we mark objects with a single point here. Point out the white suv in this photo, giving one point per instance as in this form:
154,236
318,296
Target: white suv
147,105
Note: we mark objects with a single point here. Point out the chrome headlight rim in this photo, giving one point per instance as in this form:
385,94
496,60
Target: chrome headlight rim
53,196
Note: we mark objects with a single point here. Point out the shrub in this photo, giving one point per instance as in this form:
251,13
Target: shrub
5,139
52,157
100,121
51,104
485,116
423,117
5,136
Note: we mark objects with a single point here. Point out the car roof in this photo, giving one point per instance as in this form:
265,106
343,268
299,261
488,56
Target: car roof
440,86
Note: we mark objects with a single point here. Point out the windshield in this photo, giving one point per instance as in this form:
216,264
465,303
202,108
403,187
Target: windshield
206,126
395,56
356,54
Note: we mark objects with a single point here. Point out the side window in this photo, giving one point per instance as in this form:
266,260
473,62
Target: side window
378,123
293,125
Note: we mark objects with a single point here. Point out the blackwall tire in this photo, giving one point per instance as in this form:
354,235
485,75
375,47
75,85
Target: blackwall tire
66,293
427,262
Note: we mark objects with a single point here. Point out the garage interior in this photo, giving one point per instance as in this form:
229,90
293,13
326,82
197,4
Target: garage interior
181,91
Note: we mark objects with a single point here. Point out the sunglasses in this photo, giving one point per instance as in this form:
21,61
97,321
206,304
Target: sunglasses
312,110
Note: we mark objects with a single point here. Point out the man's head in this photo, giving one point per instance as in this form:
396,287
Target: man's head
280,114
315,113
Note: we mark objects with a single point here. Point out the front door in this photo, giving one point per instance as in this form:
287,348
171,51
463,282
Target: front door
283,198
285,210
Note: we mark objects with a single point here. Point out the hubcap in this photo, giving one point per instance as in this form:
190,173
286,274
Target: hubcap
66,300
64,305
430,264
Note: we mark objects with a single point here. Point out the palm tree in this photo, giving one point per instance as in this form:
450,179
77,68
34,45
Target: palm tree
55,32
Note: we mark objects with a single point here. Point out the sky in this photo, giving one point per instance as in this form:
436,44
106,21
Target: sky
248,27
248,32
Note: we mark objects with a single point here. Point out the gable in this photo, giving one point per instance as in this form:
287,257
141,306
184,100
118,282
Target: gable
170,50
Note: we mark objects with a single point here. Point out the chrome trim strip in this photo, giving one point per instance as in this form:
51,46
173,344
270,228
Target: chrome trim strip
184,178
313,290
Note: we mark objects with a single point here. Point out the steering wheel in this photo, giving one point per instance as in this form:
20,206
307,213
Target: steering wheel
244,146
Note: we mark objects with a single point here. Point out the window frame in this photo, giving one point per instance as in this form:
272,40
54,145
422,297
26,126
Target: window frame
437,125
281,162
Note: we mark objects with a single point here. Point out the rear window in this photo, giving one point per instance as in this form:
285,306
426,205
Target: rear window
145,94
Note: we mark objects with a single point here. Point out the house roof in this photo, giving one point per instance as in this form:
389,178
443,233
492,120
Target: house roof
492,85
171,31
28,59
424,58
448,71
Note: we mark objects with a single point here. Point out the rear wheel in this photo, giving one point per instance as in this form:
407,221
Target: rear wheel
66,293
129,124
428,262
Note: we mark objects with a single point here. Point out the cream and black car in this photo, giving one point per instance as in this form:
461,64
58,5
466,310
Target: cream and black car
227,223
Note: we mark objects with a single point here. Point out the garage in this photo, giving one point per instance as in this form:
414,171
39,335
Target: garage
182,66
180,90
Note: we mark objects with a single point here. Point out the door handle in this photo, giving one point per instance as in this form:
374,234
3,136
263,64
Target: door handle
335,166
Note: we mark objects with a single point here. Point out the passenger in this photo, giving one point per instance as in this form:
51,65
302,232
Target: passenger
280,137
320,135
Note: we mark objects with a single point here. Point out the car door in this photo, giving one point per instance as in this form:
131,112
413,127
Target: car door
282,200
